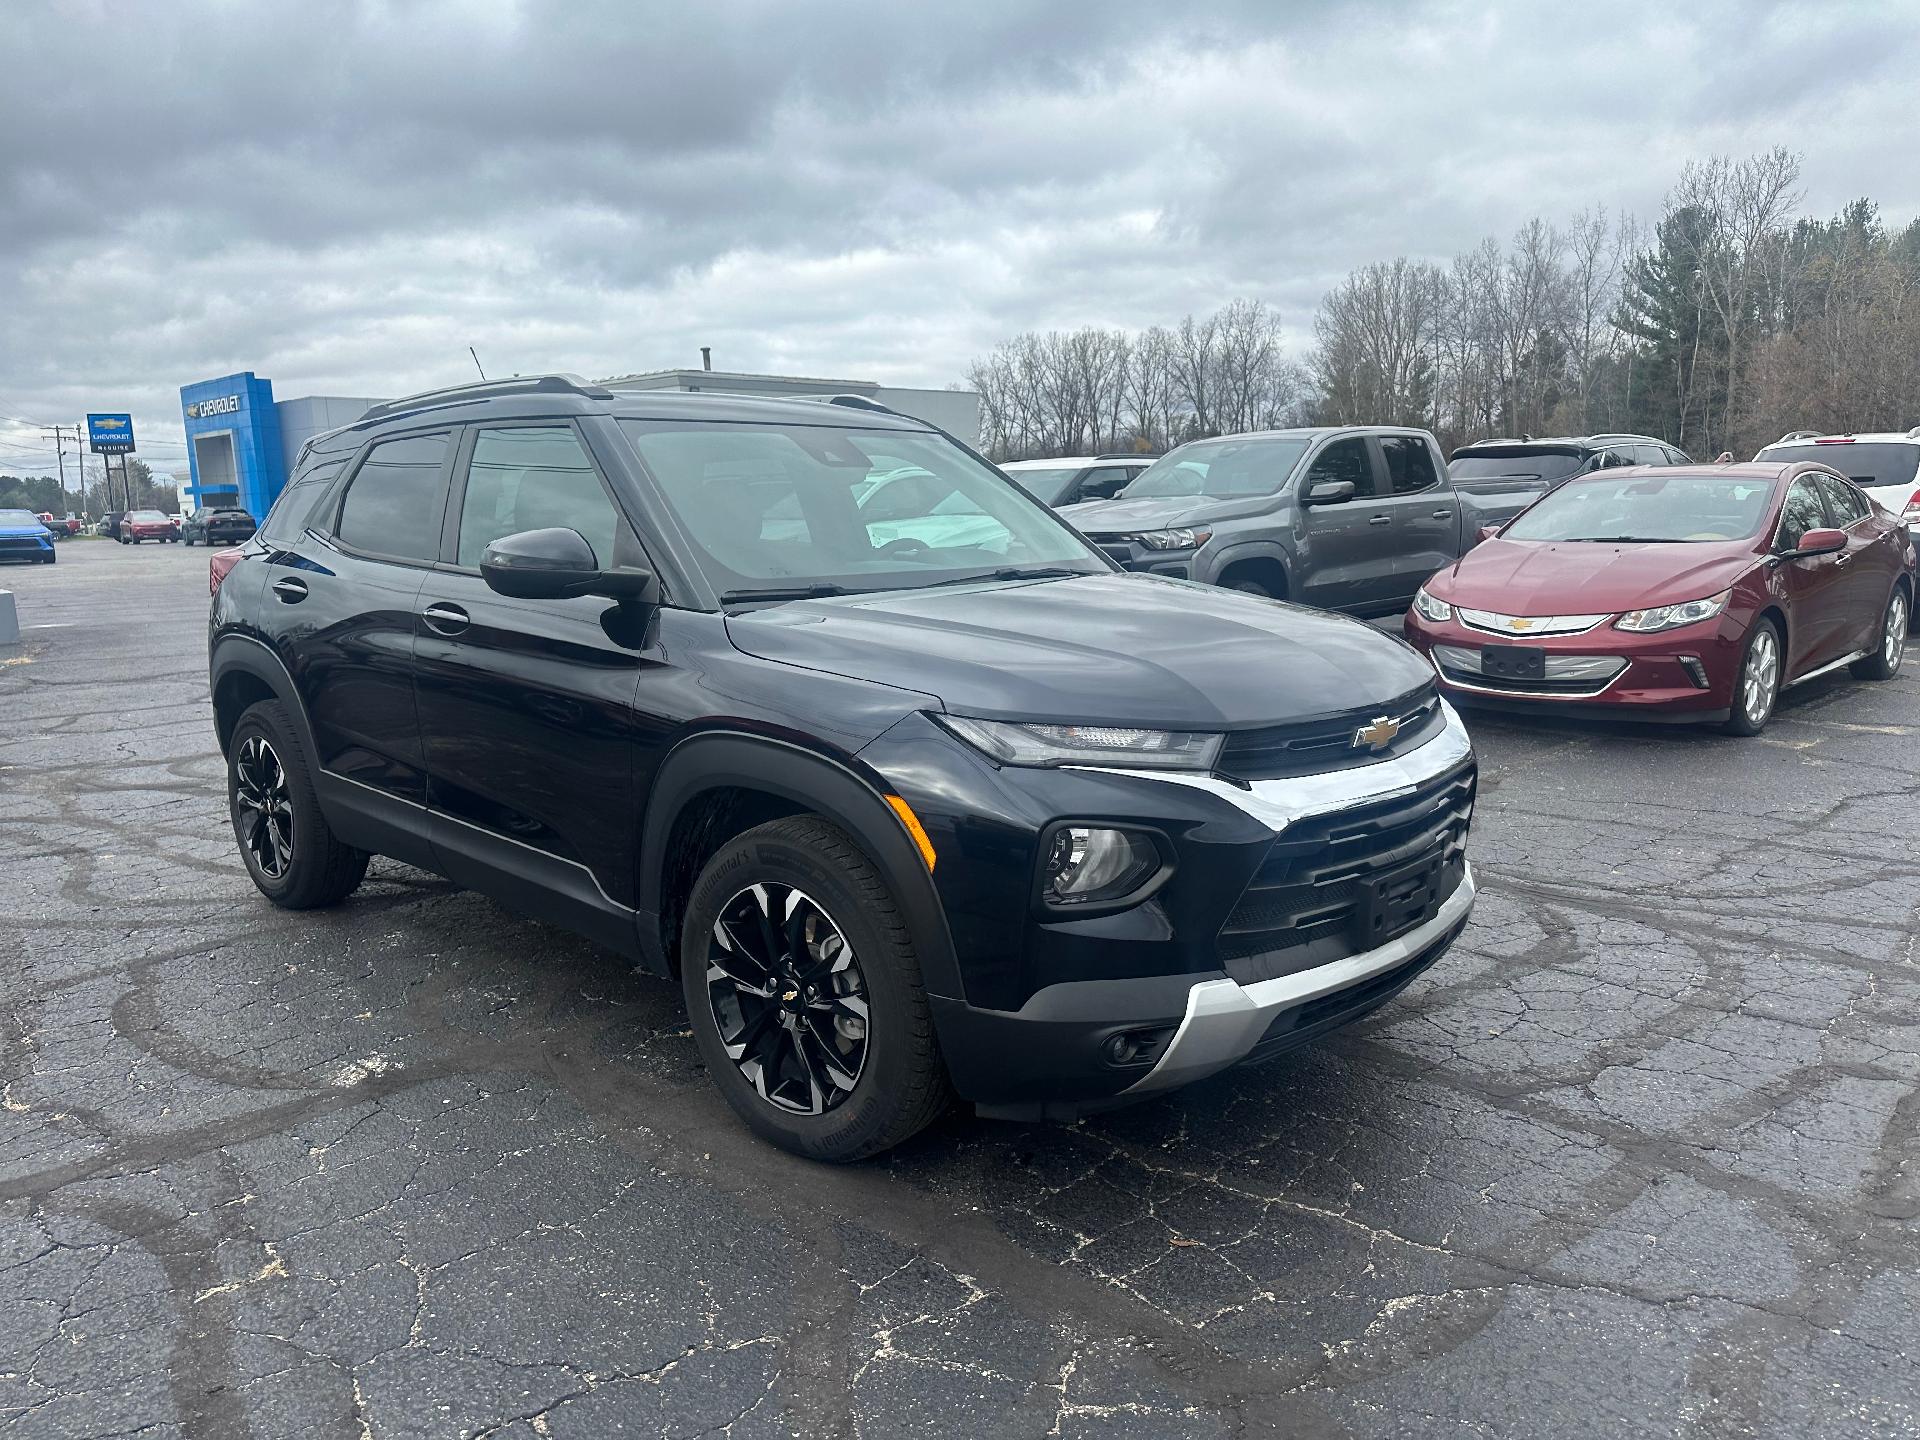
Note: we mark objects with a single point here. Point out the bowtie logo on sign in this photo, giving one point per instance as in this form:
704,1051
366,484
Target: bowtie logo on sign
225,405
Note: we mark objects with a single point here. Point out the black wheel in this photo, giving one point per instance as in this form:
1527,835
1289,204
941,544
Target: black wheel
1890,642
1757,686
805,995
53,557
288,847
1251,587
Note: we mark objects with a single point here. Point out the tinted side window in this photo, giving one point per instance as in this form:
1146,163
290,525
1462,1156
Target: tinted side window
1844,503
533,478
288,518
1106,482
1650,455
393,502
1342,460
1802,512
1409,464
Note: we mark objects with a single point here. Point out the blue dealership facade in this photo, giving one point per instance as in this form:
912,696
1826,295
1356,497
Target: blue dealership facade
241,442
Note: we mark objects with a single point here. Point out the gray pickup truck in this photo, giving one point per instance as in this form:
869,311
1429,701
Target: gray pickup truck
1347,518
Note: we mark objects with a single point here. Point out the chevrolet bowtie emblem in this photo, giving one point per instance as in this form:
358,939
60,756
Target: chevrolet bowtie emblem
1378,735
1521,622
790,996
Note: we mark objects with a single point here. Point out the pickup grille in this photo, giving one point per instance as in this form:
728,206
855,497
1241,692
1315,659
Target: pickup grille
19,544
1303,906
1327,743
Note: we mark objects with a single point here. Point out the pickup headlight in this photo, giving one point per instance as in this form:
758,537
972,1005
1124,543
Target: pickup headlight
1025,743
1430,608
1174,539
1672,617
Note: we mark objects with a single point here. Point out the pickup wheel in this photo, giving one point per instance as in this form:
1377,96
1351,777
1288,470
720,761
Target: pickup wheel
289,849
805,995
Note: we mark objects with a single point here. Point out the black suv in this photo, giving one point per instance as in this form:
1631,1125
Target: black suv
217,527
1554,459
930,803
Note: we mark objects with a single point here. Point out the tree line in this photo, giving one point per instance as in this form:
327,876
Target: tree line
1726,322
44,494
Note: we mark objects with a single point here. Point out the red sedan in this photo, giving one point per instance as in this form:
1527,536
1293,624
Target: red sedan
147,525
1695,592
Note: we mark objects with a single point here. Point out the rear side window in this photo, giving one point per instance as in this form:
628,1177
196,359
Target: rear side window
1409,464
393,503
533,478
293,511
1846,504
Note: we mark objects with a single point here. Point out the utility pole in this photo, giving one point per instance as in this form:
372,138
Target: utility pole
59,433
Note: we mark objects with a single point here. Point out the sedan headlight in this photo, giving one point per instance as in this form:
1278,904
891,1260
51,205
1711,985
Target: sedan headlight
1025,743
1672,617
1430,608
1174,539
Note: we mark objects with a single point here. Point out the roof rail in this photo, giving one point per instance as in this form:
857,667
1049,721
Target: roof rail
1130,455
1798,435
1914,433
854,402
486,390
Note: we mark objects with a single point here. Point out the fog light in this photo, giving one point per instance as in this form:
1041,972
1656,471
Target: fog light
1696,672
1085,864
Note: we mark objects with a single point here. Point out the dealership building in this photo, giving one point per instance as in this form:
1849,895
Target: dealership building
242,443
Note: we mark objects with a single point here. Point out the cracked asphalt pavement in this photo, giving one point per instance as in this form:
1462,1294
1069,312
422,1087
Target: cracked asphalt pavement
1640,1157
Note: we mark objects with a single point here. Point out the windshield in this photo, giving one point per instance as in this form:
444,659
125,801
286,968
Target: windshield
1869,465
1648,507
18,517
147,515
1236,466
1516,463
822,508
1046,486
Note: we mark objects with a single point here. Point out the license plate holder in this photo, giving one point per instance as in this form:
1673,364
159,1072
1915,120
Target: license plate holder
1513,662
1398,900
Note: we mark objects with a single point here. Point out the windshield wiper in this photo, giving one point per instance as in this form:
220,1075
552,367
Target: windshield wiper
1008,572
1625,540
785,592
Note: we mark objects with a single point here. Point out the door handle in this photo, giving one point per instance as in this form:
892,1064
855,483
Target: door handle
1443,514
290,589
1381,520
445,618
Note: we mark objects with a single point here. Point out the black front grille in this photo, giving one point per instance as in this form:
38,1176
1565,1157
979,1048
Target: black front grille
1304,906
20,542
1508,684
1328,742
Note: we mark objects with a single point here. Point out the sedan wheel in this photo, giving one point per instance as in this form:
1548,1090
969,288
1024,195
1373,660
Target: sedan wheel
1884,662
1758,686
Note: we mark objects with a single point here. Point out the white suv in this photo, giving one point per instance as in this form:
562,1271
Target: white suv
1073,478
1883,465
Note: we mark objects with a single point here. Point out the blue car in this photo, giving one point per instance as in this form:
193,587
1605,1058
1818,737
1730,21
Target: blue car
23,537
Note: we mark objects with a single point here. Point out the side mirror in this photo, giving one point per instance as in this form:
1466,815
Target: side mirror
555,565
1487,532
1819,542
1331,492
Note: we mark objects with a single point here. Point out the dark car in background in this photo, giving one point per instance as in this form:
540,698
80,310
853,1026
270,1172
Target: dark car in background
912,808
1347,518
1553,460
217,527
1689,593
138,525
23,537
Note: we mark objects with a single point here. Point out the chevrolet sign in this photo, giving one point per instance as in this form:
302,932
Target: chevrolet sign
224,405
110,434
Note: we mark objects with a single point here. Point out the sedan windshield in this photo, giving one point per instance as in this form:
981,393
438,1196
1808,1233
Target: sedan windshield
148,516
1871,465
783,510
1661,507
1216,468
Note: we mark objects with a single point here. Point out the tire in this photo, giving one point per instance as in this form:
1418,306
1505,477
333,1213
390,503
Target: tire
53,558
313,869
1753,704
899,1082
1251,587
1884,663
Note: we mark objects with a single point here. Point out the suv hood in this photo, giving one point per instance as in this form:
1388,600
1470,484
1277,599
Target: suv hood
15,532
1588,577
1114,649
1159,512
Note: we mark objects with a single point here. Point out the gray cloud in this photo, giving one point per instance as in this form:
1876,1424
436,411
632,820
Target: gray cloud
344,197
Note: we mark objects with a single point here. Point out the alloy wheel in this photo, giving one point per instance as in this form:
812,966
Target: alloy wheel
262,808
788,997
1893,641
1762,678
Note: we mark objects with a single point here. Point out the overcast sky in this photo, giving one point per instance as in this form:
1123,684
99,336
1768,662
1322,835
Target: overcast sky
343,198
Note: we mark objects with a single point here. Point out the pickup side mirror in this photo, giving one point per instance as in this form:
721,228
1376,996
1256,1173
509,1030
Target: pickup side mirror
1818,542
1487,532
1331,492
555,565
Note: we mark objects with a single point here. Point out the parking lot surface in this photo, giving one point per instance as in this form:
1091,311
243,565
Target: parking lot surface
1641,1156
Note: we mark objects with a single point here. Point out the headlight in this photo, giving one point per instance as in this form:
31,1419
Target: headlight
1086,864
1174,539
1022,743
1672,617
1430,608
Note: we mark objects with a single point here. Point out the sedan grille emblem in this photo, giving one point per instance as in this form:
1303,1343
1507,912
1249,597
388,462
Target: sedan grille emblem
1378,735
1521,622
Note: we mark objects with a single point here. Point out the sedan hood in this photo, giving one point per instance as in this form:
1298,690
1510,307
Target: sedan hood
1158,512
1585,577
1112,649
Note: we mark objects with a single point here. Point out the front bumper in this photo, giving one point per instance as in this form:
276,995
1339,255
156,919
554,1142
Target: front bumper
1144,559
1063,1016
